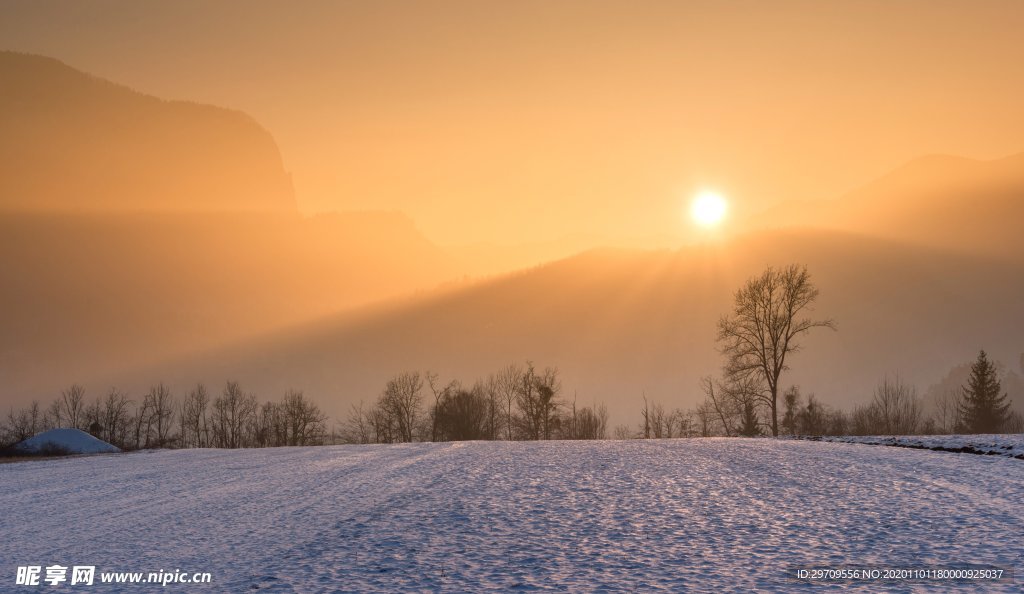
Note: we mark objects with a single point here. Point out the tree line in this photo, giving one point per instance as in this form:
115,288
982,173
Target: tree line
514,403
771,314
895,408
233,418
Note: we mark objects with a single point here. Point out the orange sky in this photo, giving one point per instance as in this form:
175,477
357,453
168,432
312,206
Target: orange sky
527,121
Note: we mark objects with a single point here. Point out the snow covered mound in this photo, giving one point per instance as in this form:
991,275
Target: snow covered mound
697,515
72,441
1011,445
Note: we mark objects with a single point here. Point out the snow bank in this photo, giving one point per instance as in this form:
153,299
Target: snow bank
1011,445
74,441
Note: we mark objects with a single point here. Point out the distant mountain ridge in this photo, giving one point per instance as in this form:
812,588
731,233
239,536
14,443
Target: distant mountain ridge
75,142
939,200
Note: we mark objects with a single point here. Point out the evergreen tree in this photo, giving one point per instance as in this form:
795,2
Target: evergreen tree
792,401
749,427
983,409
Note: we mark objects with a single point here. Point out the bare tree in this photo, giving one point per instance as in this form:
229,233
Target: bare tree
23,424
232,414
116,418
725,409
585,422
645,419
94,418
494,406
705,414
764,328
270,428
734,401
897,407
53,417
304,423
622,432
660,421
462,414
537,401
591,423
506,386
383,426
440,393
160,403
72,407
401,402
195,430
947,410
357,428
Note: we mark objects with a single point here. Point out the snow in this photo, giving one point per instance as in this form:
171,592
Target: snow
1011,445
695,514
74,441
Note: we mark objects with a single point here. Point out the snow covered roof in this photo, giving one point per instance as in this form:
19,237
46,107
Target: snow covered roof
74,441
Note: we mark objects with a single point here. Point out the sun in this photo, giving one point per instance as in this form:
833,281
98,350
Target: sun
708,209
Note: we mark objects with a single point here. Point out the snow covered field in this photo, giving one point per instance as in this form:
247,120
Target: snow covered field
992,445
697,514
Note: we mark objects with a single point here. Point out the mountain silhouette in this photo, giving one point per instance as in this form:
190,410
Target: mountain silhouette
145,240
133,229
75,142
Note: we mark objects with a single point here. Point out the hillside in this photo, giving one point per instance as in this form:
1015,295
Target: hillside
940,201
85,294
133,229
620,323
72,141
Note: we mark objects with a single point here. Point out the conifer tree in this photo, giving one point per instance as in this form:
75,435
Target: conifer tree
749,428
983,409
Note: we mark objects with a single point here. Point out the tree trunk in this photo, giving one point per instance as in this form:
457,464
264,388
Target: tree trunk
775,411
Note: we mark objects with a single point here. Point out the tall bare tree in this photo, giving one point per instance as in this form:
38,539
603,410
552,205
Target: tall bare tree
947,410
506,385
440,392
116,417
23,424
303,420
537,401
232,415
357,426
72,407
898,410
402,402
195,430
767,319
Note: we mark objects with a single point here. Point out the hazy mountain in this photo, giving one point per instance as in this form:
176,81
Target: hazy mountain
133,229
142,245
943,201
82,293
72,141
619,323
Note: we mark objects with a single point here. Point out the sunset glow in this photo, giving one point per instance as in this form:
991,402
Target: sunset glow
437,282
